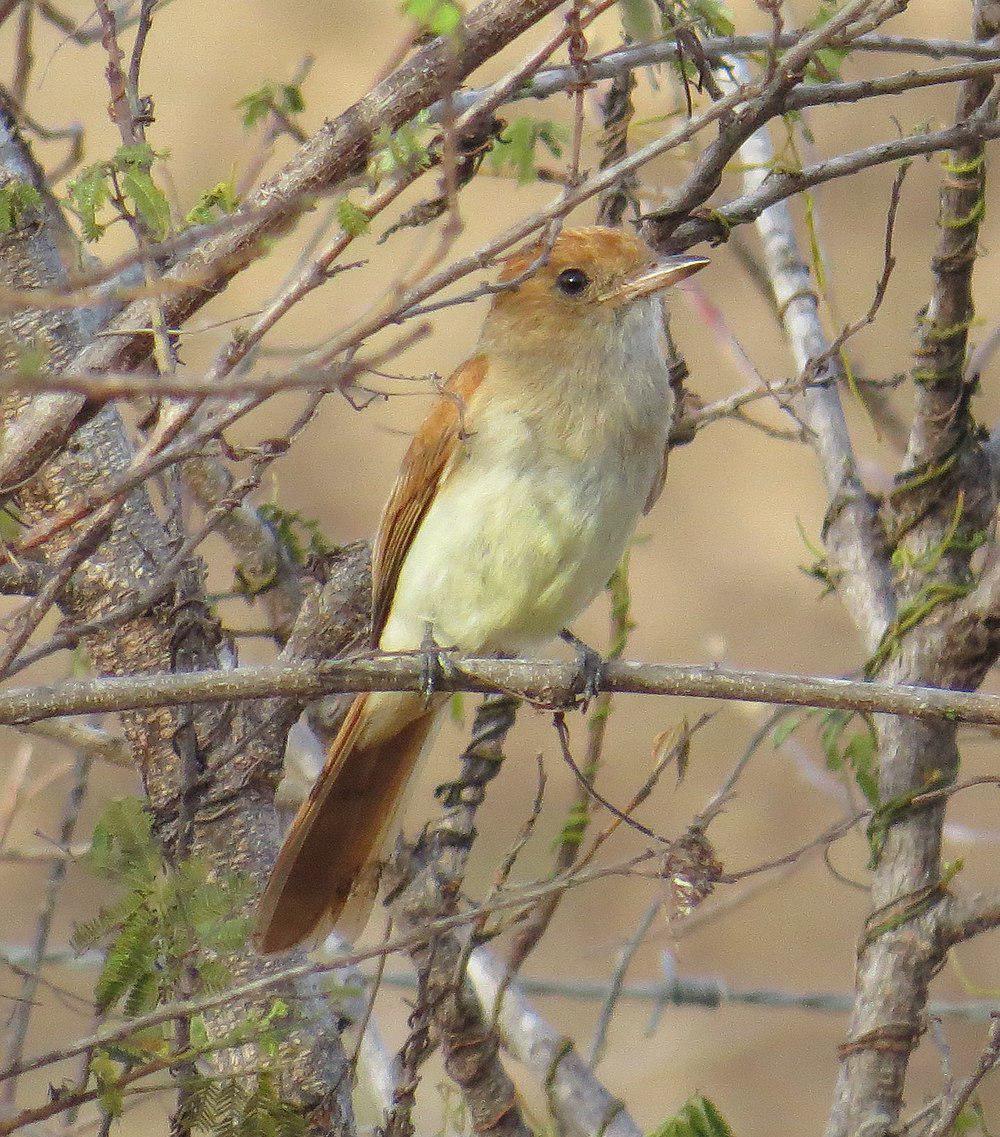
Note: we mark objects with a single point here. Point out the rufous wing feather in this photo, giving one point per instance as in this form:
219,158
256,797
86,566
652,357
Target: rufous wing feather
424,467
324,865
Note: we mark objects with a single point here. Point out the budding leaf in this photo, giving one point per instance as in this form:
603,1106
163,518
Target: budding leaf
285,98
713,16
515,149
638,20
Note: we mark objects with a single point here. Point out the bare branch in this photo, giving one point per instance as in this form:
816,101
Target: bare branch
548,683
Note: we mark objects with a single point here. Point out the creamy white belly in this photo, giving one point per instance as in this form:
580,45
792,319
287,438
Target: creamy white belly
519,539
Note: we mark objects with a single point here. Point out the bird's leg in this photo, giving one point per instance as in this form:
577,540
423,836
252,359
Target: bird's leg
433,664
591,665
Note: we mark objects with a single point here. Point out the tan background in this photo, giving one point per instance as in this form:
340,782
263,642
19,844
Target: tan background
715,579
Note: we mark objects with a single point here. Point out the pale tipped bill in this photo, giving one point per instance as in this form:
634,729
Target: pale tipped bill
667,271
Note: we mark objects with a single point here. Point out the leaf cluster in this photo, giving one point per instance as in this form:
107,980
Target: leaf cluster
126,182
17,198
849,742
405,150
167,922
238,1107
301,536
438,17
213,204
282,98
697,1118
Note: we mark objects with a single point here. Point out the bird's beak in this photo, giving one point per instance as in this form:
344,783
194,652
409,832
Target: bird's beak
666,272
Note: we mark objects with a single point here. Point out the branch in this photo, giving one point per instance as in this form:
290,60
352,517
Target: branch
771,188
424,884
548,683
555,80
942,421
954,1102
580,1104
853,536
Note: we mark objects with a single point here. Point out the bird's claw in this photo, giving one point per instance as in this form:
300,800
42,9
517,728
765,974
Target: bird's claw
433,665
591,665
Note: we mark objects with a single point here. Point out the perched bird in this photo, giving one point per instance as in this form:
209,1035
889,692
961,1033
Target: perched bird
513,506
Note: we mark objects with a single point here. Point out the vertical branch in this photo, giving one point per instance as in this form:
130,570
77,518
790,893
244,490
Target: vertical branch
21,1015
944,494
942,419
426,885
241,836
852,531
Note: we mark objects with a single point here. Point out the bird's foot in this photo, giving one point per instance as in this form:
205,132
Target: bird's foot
591,665
434,664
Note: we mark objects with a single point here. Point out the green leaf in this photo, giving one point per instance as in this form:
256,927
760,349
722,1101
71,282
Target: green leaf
456,708
141,155
698,1118
712,15
352,218
439,17
290,99
638,20
257,105
515,148
404,149
784,730
17,197
824,67
87,194
286,98
149,201
218,201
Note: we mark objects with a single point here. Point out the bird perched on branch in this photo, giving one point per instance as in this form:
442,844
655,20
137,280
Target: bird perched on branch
513,506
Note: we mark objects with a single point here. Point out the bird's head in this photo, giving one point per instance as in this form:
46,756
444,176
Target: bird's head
594,281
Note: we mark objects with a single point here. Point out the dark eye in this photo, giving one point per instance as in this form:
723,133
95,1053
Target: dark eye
572,281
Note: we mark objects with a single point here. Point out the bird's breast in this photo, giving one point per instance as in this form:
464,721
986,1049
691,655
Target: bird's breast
525,529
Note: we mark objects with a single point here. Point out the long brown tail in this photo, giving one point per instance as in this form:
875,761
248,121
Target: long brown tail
339,831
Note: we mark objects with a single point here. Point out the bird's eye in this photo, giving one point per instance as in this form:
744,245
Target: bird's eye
572,281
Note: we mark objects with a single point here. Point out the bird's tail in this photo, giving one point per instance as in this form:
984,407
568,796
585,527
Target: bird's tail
326,871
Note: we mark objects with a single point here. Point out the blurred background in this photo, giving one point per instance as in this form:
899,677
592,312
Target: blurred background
716,572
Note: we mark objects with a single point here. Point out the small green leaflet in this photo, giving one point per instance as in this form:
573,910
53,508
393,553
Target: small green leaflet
301,536
515,149
712,15
697,1118
352,218
402,149
87,195
149,200
214,203
285,98
639,20
440,17
16,198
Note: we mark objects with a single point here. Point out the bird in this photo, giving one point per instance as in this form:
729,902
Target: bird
514,504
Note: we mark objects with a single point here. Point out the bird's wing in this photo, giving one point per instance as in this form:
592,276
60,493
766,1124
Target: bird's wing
423,469
657,487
